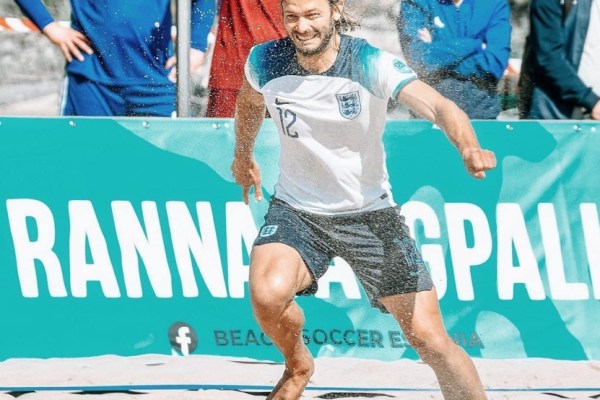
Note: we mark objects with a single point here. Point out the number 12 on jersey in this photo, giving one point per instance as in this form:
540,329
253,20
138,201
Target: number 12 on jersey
287,118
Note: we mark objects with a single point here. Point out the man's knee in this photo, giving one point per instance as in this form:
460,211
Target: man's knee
272,286
431,345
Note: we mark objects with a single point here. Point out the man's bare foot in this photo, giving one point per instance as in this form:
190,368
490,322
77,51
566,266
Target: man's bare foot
294,379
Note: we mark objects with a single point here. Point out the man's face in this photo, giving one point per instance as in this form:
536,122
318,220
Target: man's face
309,24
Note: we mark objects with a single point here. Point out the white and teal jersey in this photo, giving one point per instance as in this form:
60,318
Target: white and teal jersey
331,124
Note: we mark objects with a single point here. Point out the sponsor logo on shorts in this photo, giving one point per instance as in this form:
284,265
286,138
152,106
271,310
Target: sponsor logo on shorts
268,230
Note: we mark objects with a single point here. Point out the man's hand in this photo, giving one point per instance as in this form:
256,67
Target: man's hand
595,114
477,161
197,58
246,173
69,40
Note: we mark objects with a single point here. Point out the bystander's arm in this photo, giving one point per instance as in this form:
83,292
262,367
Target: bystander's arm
249,116
492,57
203,15
549,41
432,54
429,104
69,41
35,11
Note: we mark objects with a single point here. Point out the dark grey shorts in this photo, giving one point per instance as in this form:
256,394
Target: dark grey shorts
376,244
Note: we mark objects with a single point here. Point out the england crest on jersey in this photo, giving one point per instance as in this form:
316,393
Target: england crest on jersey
349,104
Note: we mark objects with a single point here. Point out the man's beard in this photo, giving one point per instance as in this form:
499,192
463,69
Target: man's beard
321,47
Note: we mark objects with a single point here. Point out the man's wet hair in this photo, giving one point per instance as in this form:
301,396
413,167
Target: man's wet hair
346,21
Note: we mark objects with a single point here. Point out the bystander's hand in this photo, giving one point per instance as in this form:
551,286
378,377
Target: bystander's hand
246,173
477,161
197,58
595,114
425,35
69,40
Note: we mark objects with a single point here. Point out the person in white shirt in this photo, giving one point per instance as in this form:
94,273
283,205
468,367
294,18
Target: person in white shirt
327,94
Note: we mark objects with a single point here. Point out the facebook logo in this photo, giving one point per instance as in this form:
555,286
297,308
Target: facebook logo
183,338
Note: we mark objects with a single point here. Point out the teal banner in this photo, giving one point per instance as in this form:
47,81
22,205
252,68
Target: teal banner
128,236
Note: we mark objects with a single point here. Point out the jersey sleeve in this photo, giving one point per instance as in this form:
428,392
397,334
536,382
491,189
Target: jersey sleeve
251,68
386,73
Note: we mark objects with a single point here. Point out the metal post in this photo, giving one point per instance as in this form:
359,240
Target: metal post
184,27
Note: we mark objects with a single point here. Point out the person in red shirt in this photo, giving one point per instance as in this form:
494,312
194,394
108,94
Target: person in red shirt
242,24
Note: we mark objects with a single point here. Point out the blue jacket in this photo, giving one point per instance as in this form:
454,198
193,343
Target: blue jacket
131,39
551,60
472,41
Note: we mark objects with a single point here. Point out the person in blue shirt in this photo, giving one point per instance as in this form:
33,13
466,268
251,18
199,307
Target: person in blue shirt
460,47
119,54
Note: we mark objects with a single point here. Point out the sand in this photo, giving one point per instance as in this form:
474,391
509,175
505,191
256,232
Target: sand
158,377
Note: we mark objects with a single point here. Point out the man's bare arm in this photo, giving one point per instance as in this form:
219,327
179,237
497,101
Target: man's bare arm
429,104
249,116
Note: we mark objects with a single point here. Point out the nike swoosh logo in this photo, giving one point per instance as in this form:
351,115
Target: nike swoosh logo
279,102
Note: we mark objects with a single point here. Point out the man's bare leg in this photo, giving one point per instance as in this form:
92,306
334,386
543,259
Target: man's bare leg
277,273
419,317
299,365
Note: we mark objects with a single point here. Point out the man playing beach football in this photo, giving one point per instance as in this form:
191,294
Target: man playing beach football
327,93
